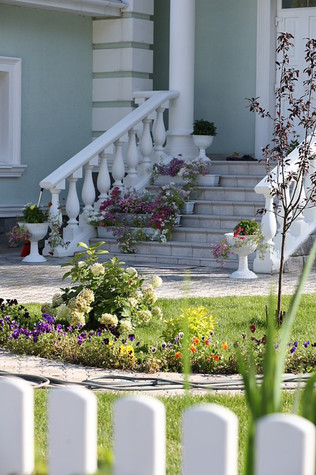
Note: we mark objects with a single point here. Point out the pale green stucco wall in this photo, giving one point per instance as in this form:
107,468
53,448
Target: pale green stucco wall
56,52
225,71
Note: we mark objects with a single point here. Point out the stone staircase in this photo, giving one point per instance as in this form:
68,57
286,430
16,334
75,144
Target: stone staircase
217,210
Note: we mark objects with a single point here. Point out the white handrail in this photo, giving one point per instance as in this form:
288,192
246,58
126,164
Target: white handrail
107,139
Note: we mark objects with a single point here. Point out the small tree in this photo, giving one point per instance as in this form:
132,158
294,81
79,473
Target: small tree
291,112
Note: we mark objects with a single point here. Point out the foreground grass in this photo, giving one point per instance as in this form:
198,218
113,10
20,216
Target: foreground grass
174,408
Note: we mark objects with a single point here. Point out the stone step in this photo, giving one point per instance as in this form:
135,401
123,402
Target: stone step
224,208
196,235
242,181
213,222
220,167
171,252
229,193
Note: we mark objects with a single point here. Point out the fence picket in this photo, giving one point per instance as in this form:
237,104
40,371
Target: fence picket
17,426
285,444
139,436
72,431
210,440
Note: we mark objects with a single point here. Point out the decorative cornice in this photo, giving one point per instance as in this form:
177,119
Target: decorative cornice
11,171
103,8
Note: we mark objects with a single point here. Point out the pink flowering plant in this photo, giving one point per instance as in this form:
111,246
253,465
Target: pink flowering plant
185,169
17,235
247,227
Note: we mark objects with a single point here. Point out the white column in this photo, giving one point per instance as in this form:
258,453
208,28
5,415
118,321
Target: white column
181,78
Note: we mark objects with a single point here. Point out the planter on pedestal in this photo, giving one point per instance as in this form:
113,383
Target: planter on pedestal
203,142
188,207
242,247
38,231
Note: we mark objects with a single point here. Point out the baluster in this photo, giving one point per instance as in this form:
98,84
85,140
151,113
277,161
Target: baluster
131,158
118,168
146,146
88,191
159,132
103,181
54,211
310,211
72,209
270,261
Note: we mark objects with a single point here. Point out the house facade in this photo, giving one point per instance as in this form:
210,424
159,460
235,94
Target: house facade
70,70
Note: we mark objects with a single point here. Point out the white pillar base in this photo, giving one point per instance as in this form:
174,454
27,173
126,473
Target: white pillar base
181,144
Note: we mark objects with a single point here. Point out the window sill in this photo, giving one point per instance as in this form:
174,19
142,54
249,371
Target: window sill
11,171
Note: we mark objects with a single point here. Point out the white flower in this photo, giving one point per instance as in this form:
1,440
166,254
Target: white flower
156,281
57,300
157,313
126,326
81,264
109,319
97,269
131,271
87,294
76,318
63,312
132,301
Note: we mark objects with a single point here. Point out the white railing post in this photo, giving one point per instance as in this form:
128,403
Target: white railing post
55,211
88,190
146,146
270,262
210,441
159,132
298,225
139,436
118,167
72,431
72,202
310,211
17,427
284,444
131,158
103,180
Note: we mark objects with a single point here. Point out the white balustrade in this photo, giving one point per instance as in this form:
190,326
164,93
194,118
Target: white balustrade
283,443
152,103
55,211
103,180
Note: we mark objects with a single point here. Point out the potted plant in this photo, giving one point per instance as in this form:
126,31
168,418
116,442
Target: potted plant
203,134
244,240
35,222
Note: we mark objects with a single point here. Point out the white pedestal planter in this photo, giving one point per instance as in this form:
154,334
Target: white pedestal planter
203,142
38,231
248,247
188,207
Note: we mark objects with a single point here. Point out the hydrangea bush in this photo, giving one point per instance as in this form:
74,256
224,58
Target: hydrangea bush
104,294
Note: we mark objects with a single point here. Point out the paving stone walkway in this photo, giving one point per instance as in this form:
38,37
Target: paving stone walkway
39,282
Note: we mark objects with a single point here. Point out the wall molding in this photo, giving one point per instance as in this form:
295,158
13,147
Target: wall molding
102,8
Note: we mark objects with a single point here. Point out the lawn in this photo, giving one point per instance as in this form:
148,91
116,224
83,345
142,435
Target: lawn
174,409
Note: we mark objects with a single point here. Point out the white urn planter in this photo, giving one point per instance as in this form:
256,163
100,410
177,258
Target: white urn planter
188,207
38,231
203,142
243,250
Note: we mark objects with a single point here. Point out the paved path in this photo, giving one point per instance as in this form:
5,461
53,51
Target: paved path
39,282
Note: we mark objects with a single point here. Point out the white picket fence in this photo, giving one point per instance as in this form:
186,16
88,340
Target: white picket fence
285,444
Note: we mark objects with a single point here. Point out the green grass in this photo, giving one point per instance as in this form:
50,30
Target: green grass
174,408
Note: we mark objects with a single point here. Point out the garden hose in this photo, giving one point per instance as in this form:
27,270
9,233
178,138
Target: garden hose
132,383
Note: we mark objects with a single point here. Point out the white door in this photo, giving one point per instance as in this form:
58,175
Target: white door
297,17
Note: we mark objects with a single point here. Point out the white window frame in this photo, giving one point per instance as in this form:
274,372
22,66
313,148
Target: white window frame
10,88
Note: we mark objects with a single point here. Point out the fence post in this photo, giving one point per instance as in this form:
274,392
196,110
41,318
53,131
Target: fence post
17,426
139,436
210,440
284,443
72,431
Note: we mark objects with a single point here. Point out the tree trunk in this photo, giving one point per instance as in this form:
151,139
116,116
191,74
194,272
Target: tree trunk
280,284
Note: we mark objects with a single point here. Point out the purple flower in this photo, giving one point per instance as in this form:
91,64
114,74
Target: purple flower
306,343
131,337
106,341
99,332
153,349
293,349
163,345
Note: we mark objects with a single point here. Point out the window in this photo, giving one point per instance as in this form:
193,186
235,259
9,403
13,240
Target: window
298,3
10,117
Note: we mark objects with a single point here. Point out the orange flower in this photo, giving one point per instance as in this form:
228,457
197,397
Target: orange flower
224,345
195,340
192,349
216,358
178,355
207,343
